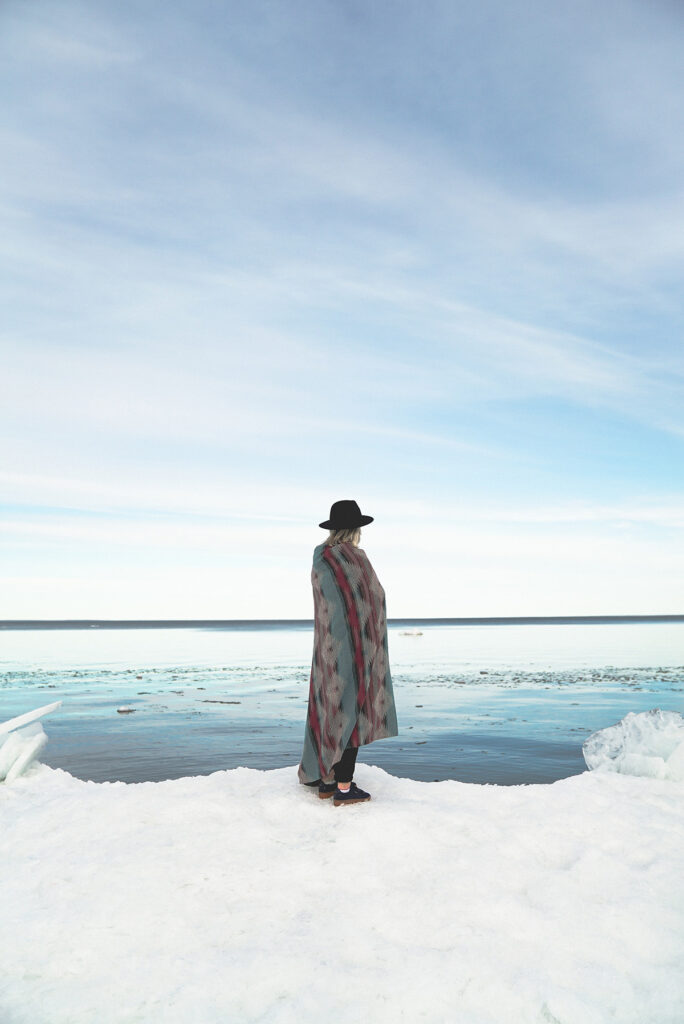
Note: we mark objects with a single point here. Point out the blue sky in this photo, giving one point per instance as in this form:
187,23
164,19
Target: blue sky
259,257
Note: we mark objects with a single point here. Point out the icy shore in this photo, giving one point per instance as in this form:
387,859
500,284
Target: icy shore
242,897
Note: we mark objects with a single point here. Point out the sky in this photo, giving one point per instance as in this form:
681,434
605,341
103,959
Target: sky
256,258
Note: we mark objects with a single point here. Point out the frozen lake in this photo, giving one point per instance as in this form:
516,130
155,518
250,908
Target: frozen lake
505,703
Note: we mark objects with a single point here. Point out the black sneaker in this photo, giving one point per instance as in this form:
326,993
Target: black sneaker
326,789
353,795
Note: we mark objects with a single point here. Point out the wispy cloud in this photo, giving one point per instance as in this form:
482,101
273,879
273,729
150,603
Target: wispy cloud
256,263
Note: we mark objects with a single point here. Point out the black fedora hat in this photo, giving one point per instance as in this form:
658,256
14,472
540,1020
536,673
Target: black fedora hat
345,515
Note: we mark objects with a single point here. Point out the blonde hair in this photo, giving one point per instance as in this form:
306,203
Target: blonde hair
344,536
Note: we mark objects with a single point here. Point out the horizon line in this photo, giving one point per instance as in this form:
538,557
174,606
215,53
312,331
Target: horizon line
434,620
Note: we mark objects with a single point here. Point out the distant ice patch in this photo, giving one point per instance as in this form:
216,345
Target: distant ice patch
648,743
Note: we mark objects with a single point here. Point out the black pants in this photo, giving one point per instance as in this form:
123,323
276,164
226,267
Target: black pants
344,769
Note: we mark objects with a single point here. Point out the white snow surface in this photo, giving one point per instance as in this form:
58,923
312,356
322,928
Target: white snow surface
242,897
649,743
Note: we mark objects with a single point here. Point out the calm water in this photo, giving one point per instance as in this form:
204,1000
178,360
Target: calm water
506,703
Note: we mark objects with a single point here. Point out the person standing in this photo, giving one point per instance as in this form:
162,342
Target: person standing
351,696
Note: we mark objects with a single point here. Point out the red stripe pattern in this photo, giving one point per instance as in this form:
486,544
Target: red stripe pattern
351,698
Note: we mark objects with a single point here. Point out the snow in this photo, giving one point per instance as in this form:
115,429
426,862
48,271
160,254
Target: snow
241,896
650,743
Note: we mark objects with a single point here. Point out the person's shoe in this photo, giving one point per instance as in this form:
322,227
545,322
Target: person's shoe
326,789
353,795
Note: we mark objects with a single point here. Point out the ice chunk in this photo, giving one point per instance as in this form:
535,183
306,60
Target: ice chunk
648,743
21,740
19,749
29,716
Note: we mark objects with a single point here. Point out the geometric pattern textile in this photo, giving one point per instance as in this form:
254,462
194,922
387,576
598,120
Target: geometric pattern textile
351,697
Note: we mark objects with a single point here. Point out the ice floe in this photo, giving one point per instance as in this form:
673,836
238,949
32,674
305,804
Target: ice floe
648,743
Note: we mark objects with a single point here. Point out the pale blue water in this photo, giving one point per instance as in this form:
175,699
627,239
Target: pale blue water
505,703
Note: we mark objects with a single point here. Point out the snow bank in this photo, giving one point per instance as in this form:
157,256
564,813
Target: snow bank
241,896
650,743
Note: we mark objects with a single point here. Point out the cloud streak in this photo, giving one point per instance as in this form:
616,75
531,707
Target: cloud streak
250,262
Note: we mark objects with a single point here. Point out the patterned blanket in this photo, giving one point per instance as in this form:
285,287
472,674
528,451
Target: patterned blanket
351,698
